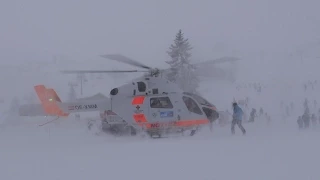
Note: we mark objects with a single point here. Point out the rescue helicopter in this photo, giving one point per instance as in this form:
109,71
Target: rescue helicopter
150,104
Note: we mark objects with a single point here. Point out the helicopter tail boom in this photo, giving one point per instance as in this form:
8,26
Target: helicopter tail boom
51,104
85,106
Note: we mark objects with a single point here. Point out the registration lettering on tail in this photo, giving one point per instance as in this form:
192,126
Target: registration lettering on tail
81,107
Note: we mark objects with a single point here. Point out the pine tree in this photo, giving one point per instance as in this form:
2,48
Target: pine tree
182,72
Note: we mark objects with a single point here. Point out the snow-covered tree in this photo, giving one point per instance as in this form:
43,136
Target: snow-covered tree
182,72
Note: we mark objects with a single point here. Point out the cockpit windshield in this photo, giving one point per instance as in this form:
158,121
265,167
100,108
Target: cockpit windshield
199,99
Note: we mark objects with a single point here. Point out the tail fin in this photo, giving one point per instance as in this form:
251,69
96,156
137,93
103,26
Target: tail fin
49,99
54,95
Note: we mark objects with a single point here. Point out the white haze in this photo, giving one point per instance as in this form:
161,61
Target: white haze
279,46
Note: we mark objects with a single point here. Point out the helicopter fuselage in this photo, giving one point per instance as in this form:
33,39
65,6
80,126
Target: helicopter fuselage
152,103
154,111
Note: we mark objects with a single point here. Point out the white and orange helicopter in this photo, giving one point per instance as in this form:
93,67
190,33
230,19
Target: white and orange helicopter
151,104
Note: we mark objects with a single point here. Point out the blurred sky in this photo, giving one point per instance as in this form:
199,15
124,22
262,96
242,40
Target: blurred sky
266,32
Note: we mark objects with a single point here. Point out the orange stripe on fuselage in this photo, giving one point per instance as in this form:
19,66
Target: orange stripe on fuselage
181,123
140,119
48,99
186,123
138,100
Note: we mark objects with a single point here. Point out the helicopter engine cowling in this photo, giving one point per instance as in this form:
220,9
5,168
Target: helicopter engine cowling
146,86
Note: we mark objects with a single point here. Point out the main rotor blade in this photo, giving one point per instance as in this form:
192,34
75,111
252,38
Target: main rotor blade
126,60
218,61
98,71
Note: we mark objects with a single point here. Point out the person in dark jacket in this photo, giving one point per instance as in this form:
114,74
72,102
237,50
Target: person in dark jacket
237,118
306,119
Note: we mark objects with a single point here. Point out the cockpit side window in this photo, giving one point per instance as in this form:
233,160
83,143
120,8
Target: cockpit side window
161,102
191,105
141,86
199,99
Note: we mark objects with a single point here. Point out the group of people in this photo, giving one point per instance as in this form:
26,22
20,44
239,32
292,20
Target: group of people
256,86
304,120
253,115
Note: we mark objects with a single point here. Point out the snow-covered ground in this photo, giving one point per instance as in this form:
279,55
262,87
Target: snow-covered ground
65,150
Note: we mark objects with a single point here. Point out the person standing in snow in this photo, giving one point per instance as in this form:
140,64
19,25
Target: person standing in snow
261,111
306,119
300,122
237,118
252,115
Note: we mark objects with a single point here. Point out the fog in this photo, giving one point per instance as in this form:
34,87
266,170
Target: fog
277,41
274,35
144,29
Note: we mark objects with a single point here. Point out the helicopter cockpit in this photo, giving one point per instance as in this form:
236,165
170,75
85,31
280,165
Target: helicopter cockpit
191,105
199,99
209,109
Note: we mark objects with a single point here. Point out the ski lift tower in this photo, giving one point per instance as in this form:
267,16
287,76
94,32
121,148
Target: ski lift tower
72,85
81,77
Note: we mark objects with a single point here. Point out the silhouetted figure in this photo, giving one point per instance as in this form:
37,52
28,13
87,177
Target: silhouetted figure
252,115
261,111
306,119
237,118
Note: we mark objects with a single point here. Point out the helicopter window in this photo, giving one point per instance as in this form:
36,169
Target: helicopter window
160,102
199,99
191,105
141,86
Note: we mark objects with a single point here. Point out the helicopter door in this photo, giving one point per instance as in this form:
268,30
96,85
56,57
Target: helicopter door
161,109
